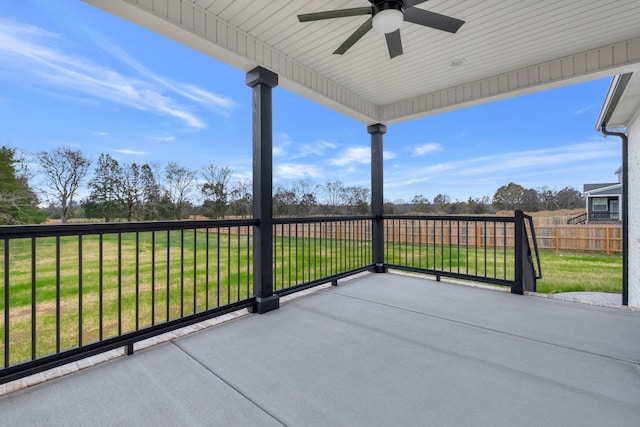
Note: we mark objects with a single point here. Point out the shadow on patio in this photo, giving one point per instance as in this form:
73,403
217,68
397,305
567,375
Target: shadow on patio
383,349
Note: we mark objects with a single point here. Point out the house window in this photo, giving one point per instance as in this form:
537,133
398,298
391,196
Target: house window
599,204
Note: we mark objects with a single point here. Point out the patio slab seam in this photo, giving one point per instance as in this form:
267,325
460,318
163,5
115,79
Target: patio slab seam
227,382
488,329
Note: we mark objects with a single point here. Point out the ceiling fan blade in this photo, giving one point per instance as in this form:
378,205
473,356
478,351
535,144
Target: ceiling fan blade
353,38
432,20
394,43
411,3
341,13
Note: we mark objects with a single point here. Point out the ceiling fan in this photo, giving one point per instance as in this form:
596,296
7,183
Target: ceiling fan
386,18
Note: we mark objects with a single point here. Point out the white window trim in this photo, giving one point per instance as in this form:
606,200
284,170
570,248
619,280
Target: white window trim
602,206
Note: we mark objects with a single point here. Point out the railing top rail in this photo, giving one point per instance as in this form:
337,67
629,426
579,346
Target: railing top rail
49,230
477,218
308,220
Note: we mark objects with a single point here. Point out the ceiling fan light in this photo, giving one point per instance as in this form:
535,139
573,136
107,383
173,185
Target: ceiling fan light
387,21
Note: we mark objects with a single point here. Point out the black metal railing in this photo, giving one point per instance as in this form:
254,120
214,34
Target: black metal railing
466,247
478,248
604,216
578,219
70,291
310,251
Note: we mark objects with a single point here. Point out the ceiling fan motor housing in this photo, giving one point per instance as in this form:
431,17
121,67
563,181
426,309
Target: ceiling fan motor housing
380,5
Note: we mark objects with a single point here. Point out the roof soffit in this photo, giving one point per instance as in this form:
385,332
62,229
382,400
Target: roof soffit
509,48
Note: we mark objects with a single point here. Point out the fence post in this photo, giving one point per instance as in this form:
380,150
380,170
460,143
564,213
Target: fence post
518,286
262,81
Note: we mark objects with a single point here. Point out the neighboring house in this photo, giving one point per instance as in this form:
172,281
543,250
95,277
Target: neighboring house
603,201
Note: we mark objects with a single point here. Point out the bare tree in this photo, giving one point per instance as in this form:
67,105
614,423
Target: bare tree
356,200
64,170
216,189
241,199
131,190
180,183
332,191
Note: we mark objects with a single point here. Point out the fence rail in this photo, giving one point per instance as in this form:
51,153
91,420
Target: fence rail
70,291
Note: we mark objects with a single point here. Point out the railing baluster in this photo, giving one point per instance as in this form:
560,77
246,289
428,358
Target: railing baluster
7,306
34,295
100,284
57,294
195,270
238,272
228,265
119,284
504,249
248,260
153,278
484,239
218,269
182,273
137,321
206,274
168,281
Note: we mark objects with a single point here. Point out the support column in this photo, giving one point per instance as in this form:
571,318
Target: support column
262,81
377,196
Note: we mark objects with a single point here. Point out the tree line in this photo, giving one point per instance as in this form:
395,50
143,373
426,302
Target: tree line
70,185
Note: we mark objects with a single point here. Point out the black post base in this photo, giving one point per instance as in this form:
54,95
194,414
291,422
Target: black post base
380,268
264,305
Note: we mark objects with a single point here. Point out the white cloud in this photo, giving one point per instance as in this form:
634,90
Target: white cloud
38,56
358,155
353,155
132,152
163,138
285,146
519,164
423,149
298,171
586,108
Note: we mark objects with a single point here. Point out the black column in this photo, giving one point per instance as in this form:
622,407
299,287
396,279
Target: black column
262,81
377,196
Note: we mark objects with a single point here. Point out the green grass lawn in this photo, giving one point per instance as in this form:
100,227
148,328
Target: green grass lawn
580,271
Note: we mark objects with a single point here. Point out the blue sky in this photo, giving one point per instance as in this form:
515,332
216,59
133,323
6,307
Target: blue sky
72,75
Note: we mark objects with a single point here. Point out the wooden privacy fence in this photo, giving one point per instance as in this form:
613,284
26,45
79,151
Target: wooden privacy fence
600,238
560,237
597,238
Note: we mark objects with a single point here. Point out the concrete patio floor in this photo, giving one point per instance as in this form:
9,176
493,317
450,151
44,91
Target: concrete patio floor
385,349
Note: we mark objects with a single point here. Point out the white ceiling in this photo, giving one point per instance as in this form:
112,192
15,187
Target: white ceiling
509,47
